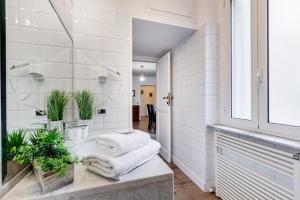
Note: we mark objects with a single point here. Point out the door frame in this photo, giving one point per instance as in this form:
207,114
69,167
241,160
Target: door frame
3,85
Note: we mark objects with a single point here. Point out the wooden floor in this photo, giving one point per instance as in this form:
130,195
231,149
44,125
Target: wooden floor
141,125
184,188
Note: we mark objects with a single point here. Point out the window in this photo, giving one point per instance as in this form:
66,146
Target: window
263,77
284,62
241,59
240,110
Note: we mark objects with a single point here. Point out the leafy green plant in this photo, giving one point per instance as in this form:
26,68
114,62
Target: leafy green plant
84,100
34,138
56,102
57,165
46,151
13,142
25,154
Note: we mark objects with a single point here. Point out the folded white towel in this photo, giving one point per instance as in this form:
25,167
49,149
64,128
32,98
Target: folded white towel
115,167
117,144
127,131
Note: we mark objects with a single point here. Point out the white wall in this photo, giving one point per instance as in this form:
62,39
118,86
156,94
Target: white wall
142,9
64,10
195,91
209,11
103,36
34,31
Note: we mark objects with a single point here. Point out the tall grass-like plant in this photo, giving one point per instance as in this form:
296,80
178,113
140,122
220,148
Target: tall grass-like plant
84,100
56,102
13,142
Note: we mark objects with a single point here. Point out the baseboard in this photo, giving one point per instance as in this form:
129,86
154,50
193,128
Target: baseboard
196,179
165,154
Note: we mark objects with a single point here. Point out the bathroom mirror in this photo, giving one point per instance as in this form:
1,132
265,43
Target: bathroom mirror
102,66
64,11
38,60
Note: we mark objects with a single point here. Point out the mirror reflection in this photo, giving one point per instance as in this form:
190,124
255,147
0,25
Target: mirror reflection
64,11
39,60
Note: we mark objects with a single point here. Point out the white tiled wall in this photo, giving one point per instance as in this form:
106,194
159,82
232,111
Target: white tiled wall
64,9
34,31
195,91
103,36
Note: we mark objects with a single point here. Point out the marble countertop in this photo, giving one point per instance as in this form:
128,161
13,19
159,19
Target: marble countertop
153,171
281,142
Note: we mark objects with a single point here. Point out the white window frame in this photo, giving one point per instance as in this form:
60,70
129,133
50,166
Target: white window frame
259,88
286,131
227,114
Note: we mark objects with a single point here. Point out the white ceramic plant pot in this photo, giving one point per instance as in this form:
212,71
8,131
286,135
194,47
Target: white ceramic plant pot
56,124
74,134
85,127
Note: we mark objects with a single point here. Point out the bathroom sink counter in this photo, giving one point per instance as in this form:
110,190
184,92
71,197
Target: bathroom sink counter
153,180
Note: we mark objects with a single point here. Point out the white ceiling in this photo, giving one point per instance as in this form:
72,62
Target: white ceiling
151,39
149,68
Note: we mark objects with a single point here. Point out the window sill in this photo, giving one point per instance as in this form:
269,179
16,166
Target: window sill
288,145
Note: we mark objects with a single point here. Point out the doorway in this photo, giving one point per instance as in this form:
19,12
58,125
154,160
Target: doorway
144,94
151,109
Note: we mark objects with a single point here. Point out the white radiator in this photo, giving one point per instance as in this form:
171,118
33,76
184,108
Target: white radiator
246,170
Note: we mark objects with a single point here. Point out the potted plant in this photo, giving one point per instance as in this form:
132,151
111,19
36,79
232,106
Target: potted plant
12,143
56,102
52,162
84,100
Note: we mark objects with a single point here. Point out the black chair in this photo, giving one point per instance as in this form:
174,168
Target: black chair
149,117
153,118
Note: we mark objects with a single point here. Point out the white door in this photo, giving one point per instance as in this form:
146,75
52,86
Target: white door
163,111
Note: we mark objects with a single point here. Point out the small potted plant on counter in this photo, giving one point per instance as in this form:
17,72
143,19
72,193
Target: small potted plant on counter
84,100
56,102
12,143
52,162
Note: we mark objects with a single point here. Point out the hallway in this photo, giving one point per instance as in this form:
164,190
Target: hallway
141,125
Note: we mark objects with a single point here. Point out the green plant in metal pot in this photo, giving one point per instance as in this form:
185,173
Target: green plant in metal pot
56,102
84,100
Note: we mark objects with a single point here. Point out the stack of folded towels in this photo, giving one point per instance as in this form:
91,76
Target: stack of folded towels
119,153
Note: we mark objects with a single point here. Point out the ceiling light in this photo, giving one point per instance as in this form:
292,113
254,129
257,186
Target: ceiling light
142,76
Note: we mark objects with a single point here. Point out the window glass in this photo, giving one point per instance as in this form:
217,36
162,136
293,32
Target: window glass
284,62
241,59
